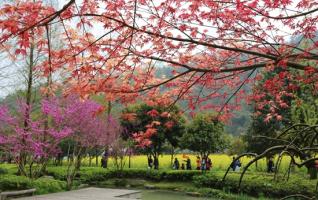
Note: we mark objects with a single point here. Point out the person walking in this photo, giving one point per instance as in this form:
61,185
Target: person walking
233,164
270,165
182,166
237,165
104,162
176,164
198,162
188,164
208,164
203,163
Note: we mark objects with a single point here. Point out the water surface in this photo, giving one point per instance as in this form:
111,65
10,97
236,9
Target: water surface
169,195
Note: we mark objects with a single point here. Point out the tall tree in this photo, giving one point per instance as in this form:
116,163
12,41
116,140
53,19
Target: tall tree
151,126
205,135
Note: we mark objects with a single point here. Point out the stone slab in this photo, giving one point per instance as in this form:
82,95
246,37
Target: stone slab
90,193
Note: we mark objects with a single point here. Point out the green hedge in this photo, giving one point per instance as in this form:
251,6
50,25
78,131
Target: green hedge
12,182
47,185
42,185
257,184
93,174
8,169
3,171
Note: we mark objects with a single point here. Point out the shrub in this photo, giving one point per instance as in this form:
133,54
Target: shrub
42,185
57,172
93,174
3,171
256,184
12,182
47,185
180,175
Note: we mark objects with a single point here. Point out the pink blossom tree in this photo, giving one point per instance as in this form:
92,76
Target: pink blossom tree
90,128
32,146
69,118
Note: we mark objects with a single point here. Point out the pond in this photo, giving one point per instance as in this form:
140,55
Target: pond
168,195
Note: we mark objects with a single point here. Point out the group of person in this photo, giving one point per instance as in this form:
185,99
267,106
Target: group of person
236,165
201,164
204,164
186,166
153,163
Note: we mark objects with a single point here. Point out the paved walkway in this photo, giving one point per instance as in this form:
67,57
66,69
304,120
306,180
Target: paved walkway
88,194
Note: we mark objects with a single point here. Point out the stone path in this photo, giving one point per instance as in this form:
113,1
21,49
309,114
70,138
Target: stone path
89,194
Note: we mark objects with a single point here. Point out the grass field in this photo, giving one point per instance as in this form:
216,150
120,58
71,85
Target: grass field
219,162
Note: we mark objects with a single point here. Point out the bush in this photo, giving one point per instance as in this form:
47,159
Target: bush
58,173
3,171
12,182
256,184
93,174
47,185
8,169
97,174
180,175
42,185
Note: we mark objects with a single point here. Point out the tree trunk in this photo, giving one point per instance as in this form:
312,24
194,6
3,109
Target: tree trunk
312,173
156,161
96,157
90,160
78,162
28,96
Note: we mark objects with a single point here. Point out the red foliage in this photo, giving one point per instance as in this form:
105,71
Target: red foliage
117,46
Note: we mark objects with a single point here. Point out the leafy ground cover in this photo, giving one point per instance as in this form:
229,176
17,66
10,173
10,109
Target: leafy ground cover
256,183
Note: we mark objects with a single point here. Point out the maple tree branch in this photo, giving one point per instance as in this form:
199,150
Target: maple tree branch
206,44
241,68
236,91
184,39
45,20
286,17
95,41
183,92
161,83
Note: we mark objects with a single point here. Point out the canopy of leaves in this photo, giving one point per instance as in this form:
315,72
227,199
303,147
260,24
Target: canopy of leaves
152,125
205,134
208,44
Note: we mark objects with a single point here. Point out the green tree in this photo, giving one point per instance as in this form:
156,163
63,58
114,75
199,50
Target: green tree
259,133
205,135
305,106
237,145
